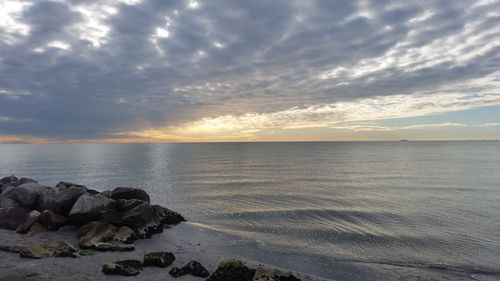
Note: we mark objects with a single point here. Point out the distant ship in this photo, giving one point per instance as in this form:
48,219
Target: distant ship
404,140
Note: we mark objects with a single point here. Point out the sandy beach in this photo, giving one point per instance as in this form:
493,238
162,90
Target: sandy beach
187,242
86,268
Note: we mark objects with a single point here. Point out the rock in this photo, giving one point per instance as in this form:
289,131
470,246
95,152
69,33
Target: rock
23,180
46,199
168,216
95,232
10,181
125,234
36,228
8,198
51,220
59,200
92,191
8,203
130,193
123,267
106,193
86,252
37,251
31,219
193,267
113,247
11,218
133,213
28,193
264,274
123,205
66,184
10,249
160,259
99,236
232,270
64,249
92,207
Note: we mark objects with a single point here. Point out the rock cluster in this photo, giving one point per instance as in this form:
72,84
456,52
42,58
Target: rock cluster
157,259
108,220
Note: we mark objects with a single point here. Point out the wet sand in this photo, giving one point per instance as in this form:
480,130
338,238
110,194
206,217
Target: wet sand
188,242
85,268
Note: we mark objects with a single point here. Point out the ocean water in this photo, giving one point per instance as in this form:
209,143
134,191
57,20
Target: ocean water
417,204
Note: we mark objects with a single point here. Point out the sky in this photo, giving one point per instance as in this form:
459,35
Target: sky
187,71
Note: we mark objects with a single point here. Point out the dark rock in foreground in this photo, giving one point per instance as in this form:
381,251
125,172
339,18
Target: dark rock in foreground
238,271
12,217
51,220
232,270
129,193
160,259
89,208
193,267
31,219
38,251
123,267
265,274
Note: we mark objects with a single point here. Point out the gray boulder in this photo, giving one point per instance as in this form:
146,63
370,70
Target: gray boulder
64,249
266,274
51,220
59,200
31,219
95,232
8,203
8,198
9,181
106,193
125,234
129,193
11,218
11,249
133,213
193,267
37,251
103,236
46,199
25,180
232,270
159,259
113,247
167,216
66,184
123,267
92,207
28,193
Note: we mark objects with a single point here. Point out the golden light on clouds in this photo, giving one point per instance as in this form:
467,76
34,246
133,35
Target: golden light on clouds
354,116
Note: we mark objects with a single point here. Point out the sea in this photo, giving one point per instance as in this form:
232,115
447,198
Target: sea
338,210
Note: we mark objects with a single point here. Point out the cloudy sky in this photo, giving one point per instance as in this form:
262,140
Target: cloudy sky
157,70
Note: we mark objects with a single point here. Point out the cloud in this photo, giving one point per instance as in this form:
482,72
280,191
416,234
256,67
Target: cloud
90,69
328,116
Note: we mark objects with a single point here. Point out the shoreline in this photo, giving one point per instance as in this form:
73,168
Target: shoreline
86,268
188,241
70,229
